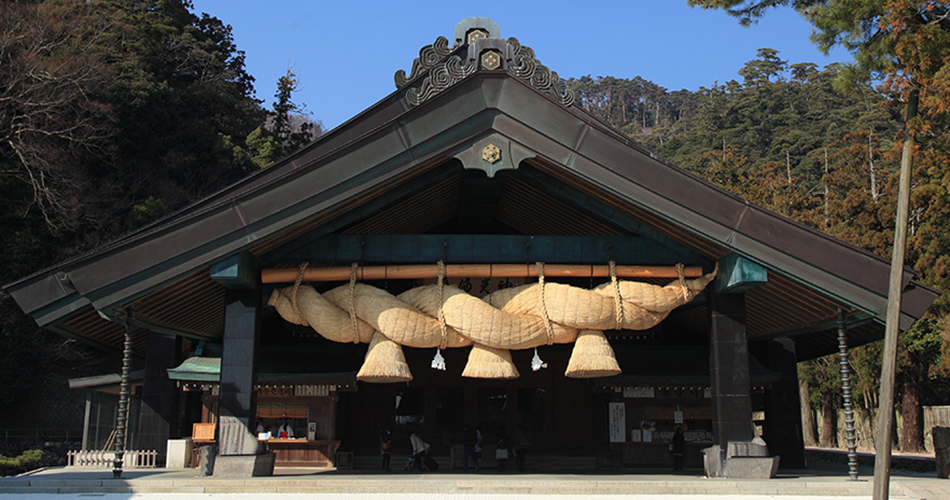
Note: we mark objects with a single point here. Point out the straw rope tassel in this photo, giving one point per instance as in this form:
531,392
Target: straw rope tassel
385,362
488,362
592,357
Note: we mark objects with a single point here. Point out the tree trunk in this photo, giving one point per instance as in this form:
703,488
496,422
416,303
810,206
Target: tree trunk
874,193
912,435
828,417
788,168
808,418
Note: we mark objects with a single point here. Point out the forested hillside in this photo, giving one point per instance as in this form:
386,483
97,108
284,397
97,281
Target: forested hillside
112,115
791,138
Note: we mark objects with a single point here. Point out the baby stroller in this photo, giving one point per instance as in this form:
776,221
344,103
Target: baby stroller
420,462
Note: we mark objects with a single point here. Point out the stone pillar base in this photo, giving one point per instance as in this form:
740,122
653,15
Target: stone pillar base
752,467
941,437
237,466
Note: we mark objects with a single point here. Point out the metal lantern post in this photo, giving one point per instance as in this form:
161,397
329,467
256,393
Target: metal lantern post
845,369
123,411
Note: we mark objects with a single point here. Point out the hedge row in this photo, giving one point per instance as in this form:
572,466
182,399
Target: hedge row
29,460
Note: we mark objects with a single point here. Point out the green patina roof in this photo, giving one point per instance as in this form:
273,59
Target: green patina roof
203,369
324,362
197,369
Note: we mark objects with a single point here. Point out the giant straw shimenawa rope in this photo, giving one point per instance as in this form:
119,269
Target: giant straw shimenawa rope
511,318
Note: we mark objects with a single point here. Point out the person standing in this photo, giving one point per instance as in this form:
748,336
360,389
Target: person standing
285,431
678,447
521,443
501,452
469,441
385,447
478,448
420,449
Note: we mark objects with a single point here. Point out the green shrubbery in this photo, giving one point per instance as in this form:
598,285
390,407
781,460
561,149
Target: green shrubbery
29,460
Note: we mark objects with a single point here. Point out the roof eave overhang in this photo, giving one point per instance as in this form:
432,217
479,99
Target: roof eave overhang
397,142
398,148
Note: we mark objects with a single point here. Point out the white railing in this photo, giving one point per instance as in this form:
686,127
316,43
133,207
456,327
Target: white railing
133,459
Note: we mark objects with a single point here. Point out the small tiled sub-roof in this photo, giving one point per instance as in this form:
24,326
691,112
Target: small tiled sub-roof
208,369
324,362
197,369
109,382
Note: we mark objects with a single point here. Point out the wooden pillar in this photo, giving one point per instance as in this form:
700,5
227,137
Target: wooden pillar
85,422
783,418
157,420
237,398
729,368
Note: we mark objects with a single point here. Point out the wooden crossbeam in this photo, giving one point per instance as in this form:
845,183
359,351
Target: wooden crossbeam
289,275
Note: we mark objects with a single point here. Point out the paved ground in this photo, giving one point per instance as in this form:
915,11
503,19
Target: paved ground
298,483
383,496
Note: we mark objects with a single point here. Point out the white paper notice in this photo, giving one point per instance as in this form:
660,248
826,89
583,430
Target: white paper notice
618,423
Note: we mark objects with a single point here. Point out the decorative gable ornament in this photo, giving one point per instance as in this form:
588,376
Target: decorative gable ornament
439,66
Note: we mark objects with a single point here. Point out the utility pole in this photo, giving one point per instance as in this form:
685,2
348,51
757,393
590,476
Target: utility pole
885,413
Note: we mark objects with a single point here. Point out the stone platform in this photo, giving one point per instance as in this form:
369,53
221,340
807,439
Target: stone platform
302,480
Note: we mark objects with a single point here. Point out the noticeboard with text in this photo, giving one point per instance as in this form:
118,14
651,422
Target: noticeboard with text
618,422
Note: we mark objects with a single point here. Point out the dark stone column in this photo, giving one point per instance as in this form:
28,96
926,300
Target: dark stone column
157,421
783,415
237,398
729,369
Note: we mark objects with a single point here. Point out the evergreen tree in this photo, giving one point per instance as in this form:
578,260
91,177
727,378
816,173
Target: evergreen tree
905,44
113,113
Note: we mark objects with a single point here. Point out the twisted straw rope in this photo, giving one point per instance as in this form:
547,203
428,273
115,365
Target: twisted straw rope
520,319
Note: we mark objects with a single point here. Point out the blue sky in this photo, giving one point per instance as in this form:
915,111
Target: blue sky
345,53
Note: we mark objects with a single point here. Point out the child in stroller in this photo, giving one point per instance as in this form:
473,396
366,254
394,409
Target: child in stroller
413,464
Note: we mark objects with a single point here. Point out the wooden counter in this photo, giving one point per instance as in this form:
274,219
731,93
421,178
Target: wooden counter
303,453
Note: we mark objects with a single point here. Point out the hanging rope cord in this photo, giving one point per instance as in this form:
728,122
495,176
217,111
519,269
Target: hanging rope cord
544,307
682,278
293,293
442,323
354,321
618,299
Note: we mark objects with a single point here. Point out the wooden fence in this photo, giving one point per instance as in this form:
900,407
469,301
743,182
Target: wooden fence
133,459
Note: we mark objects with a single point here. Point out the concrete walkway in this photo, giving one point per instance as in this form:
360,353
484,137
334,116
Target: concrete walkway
369,484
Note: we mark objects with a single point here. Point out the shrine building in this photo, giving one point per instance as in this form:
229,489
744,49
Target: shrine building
474,249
